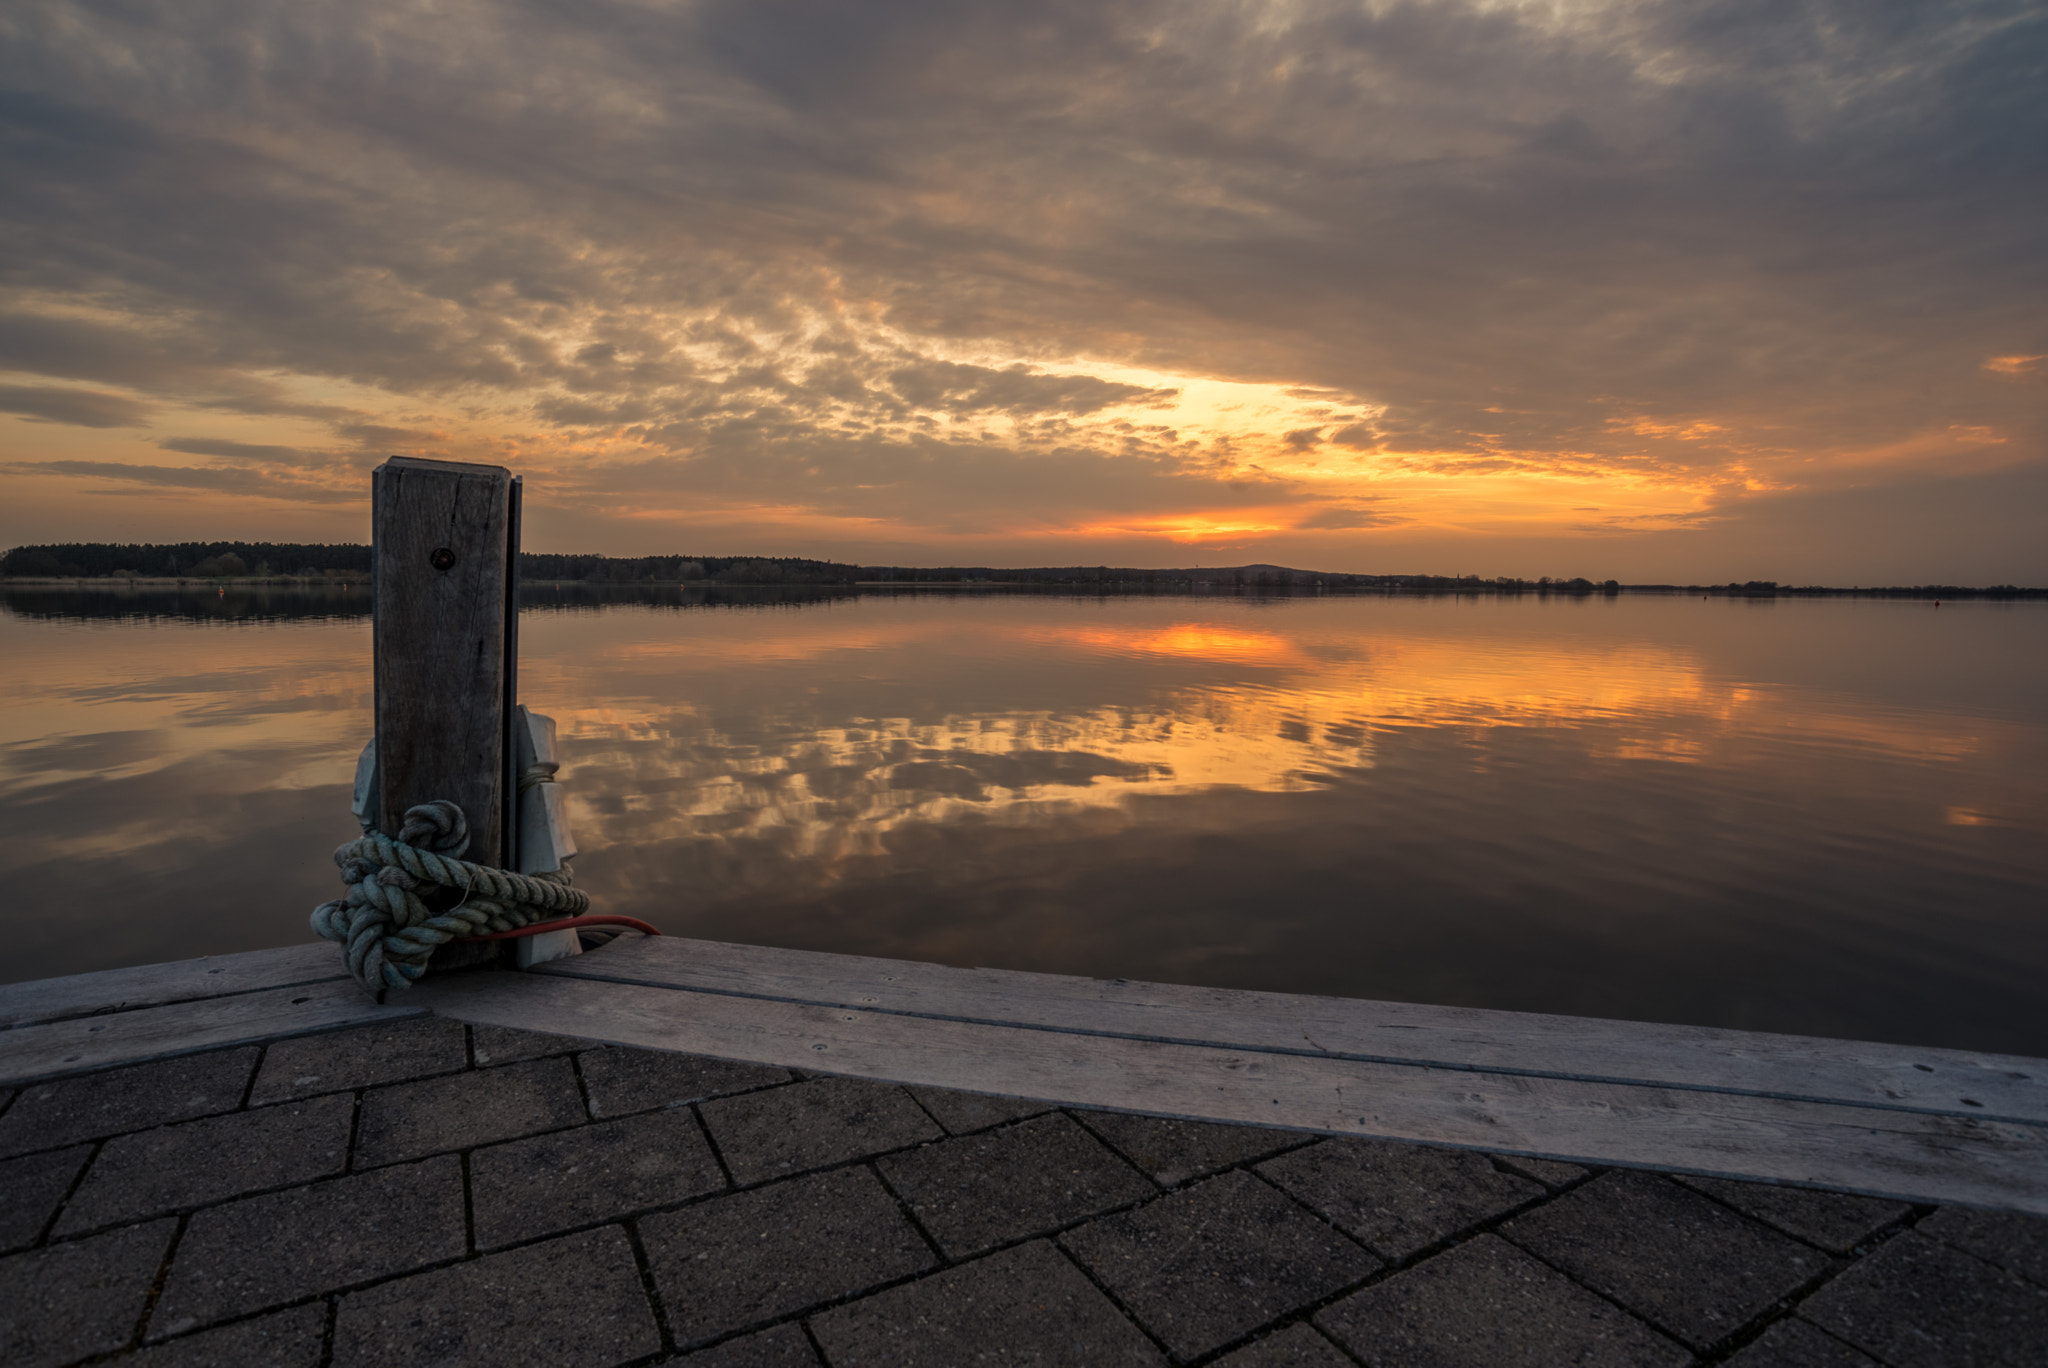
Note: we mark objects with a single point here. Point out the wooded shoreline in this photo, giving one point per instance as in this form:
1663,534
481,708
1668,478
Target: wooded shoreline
301,566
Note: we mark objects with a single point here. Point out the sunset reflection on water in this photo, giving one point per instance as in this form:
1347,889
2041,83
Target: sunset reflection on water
1802,816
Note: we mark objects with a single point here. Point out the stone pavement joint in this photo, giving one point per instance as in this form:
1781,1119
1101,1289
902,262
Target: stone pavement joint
1176,1152
1695,1269
976,1192
1208,1264
1487,1303
735,1263
435,1115
569,1178
421,1193
811,1124
31,1189
342,1061
1794,1343
1918,1302
575,1302
178,1166
1398,1199
1836,1221
47,1115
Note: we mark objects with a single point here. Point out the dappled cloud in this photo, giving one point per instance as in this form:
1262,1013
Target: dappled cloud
1306,282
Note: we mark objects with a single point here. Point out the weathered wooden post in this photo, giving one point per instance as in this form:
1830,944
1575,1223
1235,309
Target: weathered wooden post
464,848
445,537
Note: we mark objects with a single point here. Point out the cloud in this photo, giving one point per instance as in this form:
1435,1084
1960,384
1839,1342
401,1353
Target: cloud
958,265
76,407
86,349
1348,518
211,478
953,388
235,451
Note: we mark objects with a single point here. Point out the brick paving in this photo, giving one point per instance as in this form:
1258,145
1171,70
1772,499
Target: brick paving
430,1194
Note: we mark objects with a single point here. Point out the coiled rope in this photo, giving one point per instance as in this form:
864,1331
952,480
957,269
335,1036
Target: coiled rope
388,925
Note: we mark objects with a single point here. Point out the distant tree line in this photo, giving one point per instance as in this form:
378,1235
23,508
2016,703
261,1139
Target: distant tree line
227,560
543,565
210,560
95,560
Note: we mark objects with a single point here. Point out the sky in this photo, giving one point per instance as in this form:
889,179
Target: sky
1694,290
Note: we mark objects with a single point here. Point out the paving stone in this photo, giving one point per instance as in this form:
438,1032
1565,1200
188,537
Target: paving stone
554,1182
67,1301
508,1045
1298,1346
1398,1198
341,1061
736,1262
1792,1343
1548,1172
1207,1264
965,1112
1024,1306
1917,1303
1175,1151
1696,1269
48,1115
784,1346
2015,1242
407,1120
1486,1304
576,1302
283,1339
978,1191
196,1162
30,1188
808,1125
263,1251
1833,1220
623,1081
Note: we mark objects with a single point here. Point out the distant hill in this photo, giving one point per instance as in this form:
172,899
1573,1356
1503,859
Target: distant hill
231,559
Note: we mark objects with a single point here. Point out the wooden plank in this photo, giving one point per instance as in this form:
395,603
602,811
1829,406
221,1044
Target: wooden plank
1894,1077
1910,1155
153,985
442,534
84,1044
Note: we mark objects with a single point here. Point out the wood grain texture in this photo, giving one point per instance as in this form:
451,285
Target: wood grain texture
153,985
84,1044
1893,1077
443,657
1909,1155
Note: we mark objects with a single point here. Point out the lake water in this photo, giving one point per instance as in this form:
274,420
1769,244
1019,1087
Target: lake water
1812,816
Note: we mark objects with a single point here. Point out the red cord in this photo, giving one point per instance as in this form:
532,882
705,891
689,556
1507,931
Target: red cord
631,923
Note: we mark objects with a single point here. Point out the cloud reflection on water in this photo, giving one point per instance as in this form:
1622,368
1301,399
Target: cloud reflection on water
1821,819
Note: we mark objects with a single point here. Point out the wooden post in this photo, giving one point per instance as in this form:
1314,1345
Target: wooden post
445,538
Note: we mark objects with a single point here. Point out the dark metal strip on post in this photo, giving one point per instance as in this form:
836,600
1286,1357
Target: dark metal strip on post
445,537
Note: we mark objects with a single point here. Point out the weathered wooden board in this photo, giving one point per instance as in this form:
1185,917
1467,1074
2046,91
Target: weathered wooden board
442,532
153,985
83,1044
1948,1082
1911,1155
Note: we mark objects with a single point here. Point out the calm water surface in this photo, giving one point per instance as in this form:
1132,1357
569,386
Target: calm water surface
1823,817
